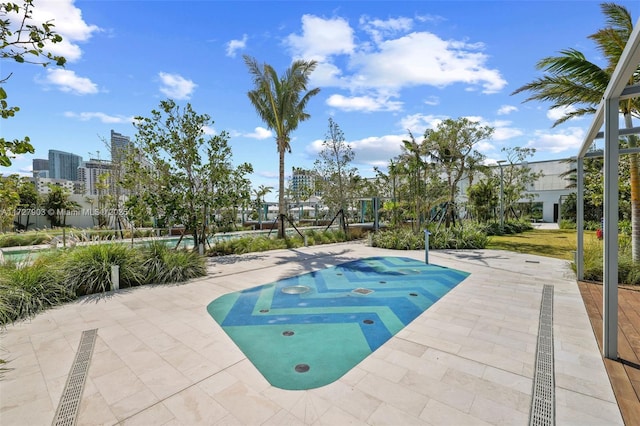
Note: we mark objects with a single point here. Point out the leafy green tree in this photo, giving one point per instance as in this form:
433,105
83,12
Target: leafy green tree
9,200
484,197
337,176
23,41
29,200
571,80
451,147
260,193
57,204
188,174
518,177
280,102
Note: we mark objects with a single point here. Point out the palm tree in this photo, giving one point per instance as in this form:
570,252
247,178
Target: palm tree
280,101
260,193
574,81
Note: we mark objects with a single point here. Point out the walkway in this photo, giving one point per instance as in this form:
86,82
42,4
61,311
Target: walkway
625,373
159,358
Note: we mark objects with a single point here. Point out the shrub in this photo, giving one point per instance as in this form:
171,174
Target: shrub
87,269
164,265
26,290
398,239
459,237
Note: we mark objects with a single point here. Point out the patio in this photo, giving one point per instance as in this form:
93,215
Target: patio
159,358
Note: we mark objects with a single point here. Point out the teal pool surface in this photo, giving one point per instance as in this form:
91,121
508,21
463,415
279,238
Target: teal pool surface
309,330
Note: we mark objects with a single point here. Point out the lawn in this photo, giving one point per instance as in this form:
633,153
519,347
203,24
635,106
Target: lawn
558,243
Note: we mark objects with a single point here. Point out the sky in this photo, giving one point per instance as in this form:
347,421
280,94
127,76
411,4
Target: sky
385,68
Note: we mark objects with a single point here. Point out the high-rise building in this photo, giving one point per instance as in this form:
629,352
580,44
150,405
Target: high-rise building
40,165
63,165
302,183
89,173
120,144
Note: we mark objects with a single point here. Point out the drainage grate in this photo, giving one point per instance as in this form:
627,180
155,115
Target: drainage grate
70,400
543,402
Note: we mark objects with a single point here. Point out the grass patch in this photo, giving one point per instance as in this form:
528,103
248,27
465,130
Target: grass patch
557,243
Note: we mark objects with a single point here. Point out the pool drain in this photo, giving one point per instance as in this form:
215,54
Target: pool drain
264,311
302,368
368,321
296,289
288,333
413,294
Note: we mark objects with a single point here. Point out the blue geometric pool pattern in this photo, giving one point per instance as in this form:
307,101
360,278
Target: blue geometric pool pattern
309,330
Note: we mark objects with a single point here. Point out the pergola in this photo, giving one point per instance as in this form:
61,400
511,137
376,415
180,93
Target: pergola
608,114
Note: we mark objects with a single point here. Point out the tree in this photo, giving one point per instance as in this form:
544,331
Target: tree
280,102
336,175
260,193
9,200
573,81
451,147
188,174
29,200
57,205
518,177
24,44
484,197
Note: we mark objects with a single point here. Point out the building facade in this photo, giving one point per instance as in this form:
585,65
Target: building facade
89,175
63,165
120,145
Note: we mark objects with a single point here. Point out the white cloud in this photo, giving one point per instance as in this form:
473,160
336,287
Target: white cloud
259,133
569,139
378,28
68,81
175,86
555,114
418,123
105,118
372,151
68,22
235,45
507,109
432,100
502,130
422,58
209,131
363,103
321,38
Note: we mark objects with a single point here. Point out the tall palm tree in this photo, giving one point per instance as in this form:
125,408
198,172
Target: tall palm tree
574,81
280,101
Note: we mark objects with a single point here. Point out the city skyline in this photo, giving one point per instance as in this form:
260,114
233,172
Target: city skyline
384,69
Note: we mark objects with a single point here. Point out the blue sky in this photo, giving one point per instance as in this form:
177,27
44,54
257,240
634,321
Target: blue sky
385,67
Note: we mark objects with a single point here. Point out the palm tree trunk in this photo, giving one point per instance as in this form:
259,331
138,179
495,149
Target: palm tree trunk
635,193
281,206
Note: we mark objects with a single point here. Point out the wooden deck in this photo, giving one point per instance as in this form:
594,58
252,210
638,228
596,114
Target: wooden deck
625,372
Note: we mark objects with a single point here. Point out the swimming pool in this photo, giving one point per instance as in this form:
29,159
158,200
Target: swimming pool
309,330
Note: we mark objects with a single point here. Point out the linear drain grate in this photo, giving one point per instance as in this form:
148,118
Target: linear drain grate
542,404
70,400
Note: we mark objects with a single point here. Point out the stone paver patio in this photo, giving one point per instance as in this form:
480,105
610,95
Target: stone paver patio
159,357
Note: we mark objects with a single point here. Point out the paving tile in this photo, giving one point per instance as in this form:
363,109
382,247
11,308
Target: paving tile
389,415
194,407
246,405
157,414
353,401
118,384
284,418
393,394
438,413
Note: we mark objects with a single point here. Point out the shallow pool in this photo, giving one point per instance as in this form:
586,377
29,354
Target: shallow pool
309,330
